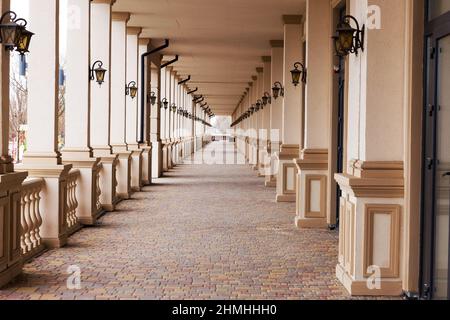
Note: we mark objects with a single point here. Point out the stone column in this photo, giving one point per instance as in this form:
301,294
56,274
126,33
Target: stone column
118,102
10,183
276,111
145,145
77,150
155,122
312,178
372,203
259,118
101,102
165,86
265,142
132,108
292,111
42,158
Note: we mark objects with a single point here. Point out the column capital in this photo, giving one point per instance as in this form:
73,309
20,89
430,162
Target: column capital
260,70
144,41
250,84
111,2
254,78
277,43
121,16
292,19
134,31
266,59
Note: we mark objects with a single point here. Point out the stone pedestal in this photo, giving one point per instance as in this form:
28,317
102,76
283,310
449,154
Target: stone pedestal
287,173
136,170
312,177
371,210
157,159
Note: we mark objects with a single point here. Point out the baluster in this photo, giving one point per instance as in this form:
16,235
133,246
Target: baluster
33,218
23,222
28,221
37,230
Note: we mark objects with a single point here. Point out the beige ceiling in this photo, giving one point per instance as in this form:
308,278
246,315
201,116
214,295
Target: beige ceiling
220,42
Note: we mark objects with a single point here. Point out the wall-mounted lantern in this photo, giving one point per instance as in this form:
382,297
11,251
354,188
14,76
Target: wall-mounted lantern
164,103
348,39
98,73
266,99
277,90
13,33
298,74
131,89
152,98
174,107
260,104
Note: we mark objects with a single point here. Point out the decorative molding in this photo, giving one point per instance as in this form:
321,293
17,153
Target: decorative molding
387,187
394,211
292,19
135,31
277,43
121,16
322,179
286,168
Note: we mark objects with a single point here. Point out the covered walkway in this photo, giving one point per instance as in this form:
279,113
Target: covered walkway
201,232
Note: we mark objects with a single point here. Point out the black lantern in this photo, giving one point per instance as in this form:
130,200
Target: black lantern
131,89
266,99
348,39
298,74
10,30
174,107
260,104
252,109
277,90
23,43
98,73
164,103
152,98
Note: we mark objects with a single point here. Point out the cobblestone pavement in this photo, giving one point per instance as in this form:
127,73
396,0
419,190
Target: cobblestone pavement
201,232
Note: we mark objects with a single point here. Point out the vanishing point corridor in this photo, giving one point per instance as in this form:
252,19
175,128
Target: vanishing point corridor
200,232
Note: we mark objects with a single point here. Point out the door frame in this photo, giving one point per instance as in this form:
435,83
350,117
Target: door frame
434,31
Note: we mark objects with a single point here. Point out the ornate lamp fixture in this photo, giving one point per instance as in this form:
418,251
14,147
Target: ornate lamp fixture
174,107
266,99
164,103
260,104
277,90
297,74
131,89
98,73
13,33
348,39
152,98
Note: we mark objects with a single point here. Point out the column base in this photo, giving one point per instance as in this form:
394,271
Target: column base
271,183
311,194
156,159
370,239
286,175
136,170
361,288
311,223
10,273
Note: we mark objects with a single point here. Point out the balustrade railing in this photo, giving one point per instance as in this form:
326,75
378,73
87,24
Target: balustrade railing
30,217
72,202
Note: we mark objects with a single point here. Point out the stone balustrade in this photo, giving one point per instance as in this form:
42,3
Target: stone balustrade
72,202
30,217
